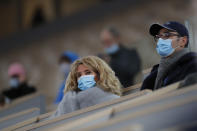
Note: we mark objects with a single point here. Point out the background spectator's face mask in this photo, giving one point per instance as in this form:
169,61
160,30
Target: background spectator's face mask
65,68
14,82
164,47
112,49
85,82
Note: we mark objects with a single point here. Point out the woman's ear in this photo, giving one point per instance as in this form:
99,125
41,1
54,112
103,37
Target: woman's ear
97,77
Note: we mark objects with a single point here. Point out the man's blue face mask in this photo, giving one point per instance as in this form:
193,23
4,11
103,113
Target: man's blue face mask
164,47
112,49
85,82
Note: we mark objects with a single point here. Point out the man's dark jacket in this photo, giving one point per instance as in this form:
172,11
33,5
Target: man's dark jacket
126,64
186,65
22,90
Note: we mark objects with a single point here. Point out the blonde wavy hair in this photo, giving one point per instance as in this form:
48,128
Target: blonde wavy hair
106,76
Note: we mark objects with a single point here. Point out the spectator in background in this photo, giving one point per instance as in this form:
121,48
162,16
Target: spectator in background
125,62
38,17
18,83
91,81
176,62
104,57
65,61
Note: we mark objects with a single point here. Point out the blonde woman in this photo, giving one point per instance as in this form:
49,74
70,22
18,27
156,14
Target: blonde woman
91,81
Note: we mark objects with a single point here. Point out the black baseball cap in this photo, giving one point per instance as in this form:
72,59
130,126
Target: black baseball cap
172,26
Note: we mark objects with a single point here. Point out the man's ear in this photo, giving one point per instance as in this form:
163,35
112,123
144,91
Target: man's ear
183,41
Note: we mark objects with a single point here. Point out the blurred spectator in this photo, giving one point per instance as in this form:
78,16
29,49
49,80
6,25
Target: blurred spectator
38,17
125,62
65,61
176,61
18,83
91,81
104,57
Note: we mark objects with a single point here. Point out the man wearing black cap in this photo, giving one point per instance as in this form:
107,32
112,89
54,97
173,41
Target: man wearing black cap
176,62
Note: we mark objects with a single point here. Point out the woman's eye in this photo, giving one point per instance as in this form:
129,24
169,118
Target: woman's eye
87,73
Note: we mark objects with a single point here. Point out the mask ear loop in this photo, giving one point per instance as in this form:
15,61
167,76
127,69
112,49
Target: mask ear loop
178,46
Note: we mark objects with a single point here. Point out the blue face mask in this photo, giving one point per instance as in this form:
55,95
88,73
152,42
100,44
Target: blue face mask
112,49
86,82
14,83
164,47
65,68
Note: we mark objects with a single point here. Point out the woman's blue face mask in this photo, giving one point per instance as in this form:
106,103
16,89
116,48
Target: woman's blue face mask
85,82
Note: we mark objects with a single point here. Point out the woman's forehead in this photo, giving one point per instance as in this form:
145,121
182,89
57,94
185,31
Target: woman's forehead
82,68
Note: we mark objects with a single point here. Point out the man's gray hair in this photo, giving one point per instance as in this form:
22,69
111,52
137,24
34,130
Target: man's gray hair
113,31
